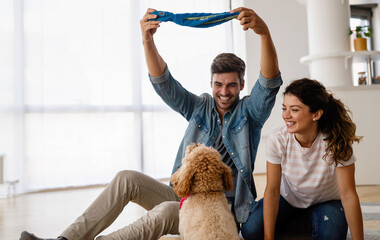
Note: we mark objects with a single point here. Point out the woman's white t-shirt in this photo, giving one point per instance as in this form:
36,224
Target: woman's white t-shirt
306,178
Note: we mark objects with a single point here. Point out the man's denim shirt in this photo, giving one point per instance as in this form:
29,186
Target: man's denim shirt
241,128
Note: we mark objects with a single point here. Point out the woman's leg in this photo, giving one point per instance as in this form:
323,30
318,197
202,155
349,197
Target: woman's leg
254,227
329,221
126,186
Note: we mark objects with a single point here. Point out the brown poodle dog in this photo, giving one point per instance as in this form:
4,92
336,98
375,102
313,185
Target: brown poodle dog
205,213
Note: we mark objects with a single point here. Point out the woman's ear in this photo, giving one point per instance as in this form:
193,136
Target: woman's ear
317,115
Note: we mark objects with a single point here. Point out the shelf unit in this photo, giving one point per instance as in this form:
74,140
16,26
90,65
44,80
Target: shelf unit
358,56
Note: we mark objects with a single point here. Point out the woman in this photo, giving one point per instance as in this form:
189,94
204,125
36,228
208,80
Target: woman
310,168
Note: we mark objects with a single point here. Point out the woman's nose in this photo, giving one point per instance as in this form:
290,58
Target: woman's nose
286,114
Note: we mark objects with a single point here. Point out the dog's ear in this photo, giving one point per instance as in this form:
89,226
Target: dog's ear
174,178
182,180
227,177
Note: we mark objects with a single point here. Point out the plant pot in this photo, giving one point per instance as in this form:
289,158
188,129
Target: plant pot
360,44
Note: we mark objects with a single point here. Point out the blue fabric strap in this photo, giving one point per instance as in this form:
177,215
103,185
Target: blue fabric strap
198,20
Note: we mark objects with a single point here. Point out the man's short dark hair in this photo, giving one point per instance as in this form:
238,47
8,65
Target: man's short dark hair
228,62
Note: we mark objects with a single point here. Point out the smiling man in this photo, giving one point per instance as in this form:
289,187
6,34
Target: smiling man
224,121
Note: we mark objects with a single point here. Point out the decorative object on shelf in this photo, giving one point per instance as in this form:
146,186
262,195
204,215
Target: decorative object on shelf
360,42
362,78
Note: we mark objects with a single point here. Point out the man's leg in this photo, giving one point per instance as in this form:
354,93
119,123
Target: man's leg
162,219
126,186
254,227
329,220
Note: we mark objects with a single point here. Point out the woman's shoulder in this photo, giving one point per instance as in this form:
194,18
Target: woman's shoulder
279,135
280,132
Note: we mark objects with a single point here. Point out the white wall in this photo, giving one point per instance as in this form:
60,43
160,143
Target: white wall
363,101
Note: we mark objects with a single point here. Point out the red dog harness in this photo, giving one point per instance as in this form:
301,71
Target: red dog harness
182,200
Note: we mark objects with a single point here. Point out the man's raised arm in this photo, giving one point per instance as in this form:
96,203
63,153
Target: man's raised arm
268,62
155,63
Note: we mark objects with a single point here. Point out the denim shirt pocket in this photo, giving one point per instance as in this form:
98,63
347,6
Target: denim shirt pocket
240,132
197,130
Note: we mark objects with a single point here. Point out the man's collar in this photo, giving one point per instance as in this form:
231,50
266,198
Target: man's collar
231,109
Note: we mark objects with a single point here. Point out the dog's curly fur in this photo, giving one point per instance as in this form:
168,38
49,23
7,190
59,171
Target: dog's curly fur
205,214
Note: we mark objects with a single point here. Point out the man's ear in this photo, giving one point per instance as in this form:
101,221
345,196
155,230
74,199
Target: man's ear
242,85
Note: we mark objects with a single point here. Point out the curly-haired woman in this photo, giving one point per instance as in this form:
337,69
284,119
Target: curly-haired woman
310,168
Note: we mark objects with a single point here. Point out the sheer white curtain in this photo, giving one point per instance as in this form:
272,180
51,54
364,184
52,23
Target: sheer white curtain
75,99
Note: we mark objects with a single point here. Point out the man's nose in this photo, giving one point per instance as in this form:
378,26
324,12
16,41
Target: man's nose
224,90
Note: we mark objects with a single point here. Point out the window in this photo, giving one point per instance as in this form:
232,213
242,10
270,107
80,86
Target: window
75,99
361,15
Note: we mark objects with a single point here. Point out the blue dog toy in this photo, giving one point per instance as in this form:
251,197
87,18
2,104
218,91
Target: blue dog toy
198,20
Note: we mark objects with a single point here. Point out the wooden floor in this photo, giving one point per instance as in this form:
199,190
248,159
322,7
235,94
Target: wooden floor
47,213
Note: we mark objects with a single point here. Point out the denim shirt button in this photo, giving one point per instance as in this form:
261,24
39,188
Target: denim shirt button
241,170
250,202
225,121
199,126
232,153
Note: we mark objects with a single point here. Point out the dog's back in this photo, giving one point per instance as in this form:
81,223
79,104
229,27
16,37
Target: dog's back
207,216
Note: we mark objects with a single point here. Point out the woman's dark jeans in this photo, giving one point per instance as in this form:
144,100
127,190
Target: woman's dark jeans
321,221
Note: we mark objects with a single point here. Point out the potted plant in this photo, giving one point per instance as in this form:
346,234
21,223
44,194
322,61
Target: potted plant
360,42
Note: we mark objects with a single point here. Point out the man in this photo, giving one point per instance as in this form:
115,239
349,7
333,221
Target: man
224,121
